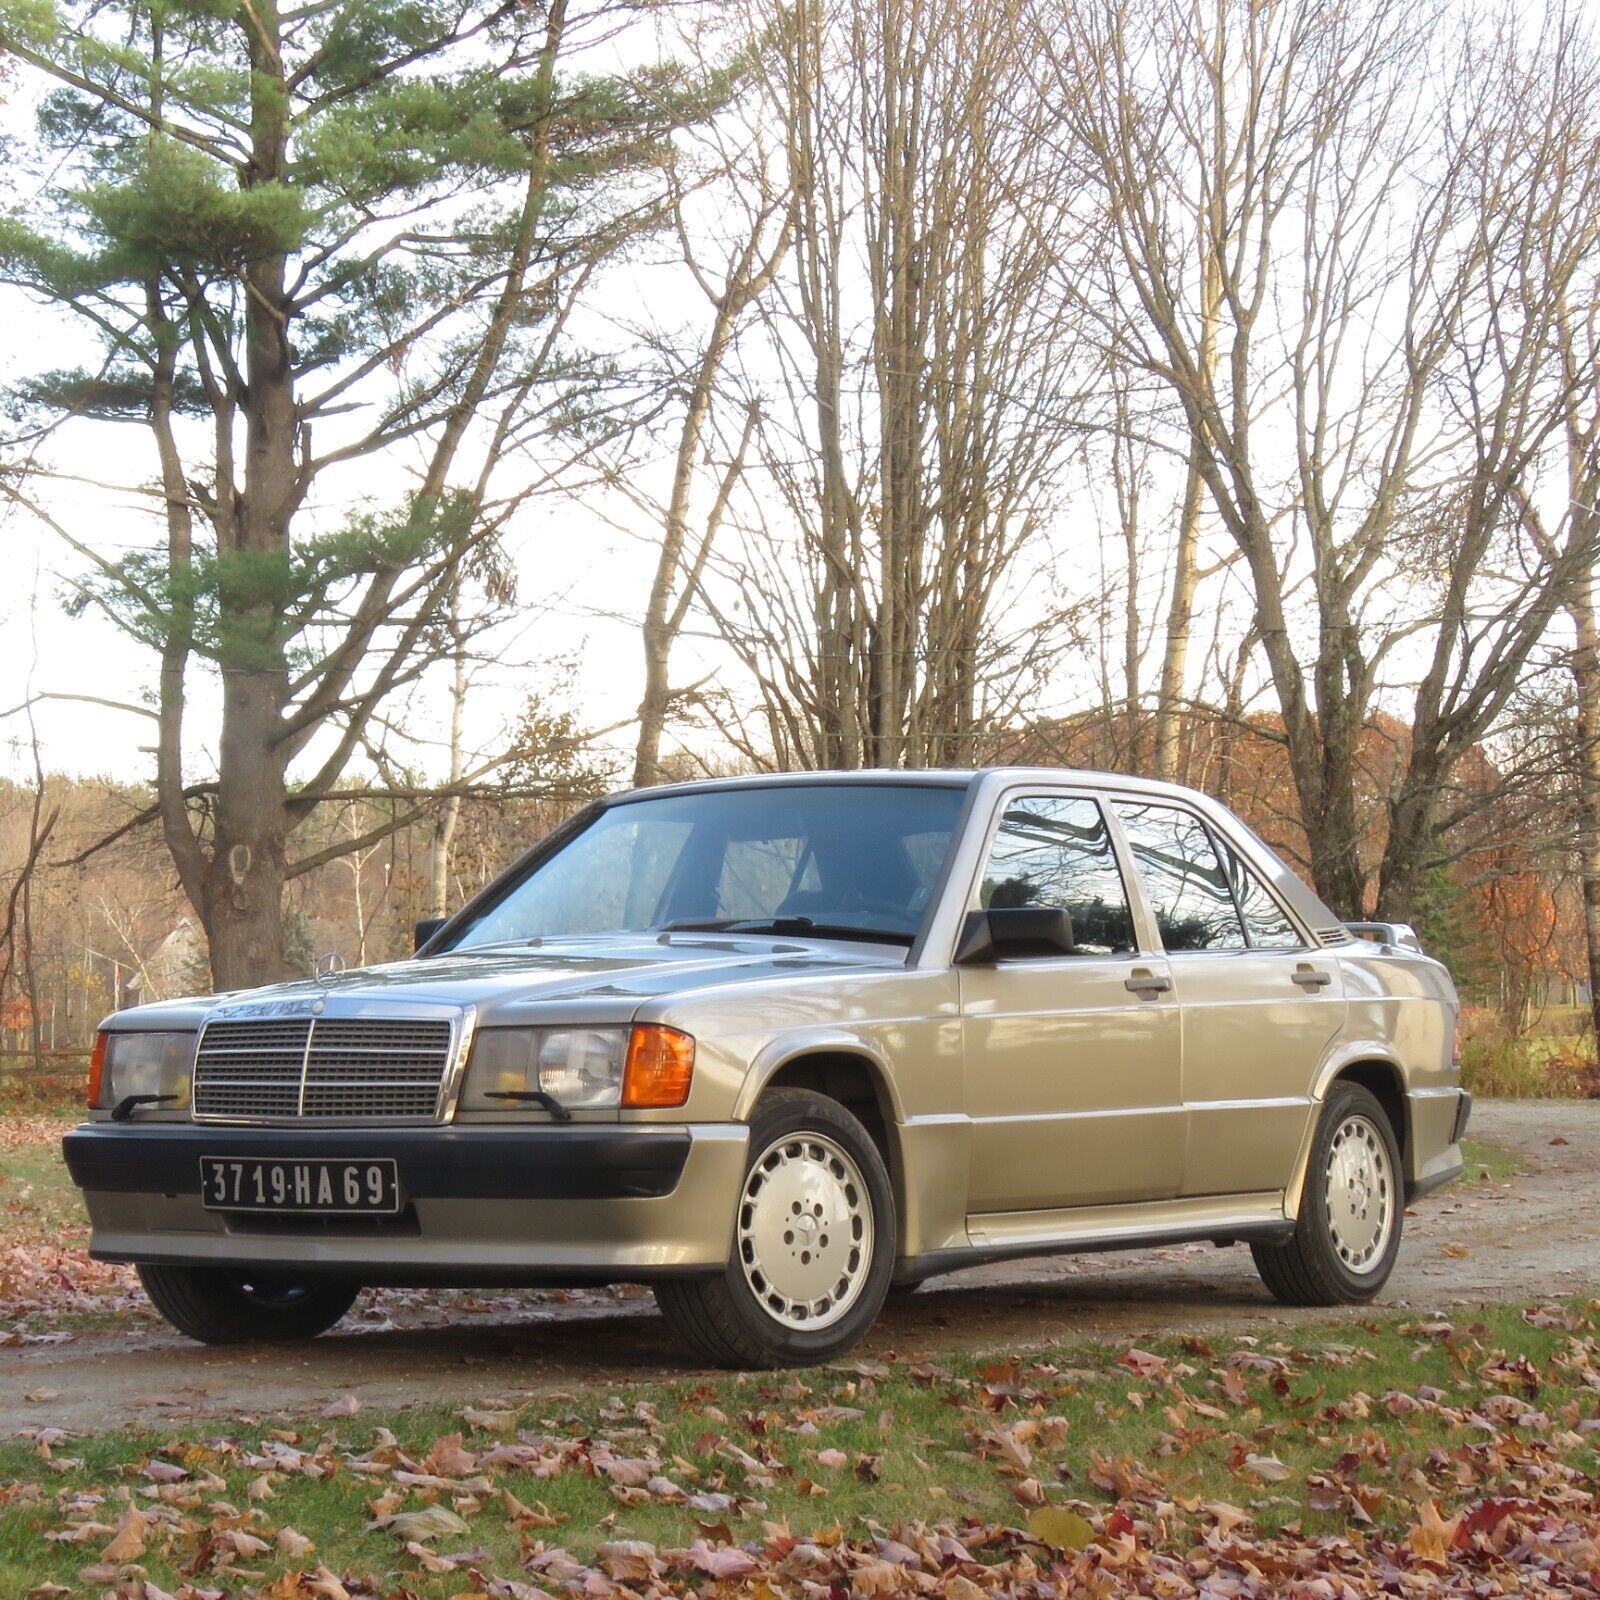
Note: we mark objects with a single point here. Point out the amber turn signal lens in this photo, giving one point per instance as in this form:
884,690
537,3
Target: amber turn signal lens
659,1069
97,1067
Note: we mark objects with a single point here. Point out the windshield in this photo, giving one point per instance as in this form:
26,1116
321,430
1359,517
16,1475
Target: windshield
826,859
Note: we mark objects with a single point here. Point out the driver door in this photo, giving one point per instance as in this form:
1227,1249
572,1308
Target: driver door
1072,1064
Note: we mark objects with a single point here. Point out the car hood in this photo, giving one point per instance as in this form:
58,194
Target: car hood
599,978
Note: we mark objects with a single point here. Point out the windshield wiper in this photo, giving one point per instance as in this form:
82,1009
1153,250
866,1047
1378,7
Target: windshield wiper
800,927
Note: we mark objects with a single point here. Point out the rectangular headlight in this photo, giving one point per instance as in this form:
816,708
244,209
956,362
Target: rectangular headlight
147,1064
581,1068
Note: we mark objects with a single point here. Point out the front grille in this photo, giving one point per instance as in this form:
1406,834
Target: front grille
346,1069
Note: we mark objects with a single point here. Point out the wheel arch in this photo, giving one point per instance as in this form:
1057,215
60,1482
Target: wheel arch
1383,1080
1381,1075
850,1072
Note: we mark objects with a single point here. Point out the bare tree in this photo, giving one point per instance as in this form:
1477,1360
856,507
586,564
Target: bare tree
1579,350
760,234
1321,220
921,401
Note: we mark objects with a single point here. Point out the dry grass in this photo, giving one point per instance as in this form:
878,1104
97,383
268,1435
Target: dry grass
1552,1058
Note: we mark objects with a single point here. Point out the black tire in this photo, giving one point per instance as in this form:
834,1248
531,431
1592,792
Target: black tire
722,1320
1308,1270
217,1306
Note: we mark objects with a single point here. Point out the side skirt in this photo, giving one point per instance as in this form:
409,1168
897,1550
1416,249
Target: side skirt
1011,1236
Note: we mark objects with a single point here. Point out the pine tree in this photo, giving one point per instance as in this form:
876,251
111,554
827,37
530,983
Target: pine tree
303,237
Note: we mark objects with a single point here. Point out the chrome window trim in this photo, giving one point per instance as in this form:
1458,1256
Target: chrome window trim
1217,831
1138,908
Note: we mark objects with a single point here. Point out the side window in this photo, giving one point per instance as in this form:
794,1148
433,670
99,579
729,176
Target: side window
1055,852
1183,877
1265,924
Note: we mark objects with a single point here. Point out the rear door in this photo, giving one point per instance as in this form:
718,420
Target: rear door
1259,1005
1071,1061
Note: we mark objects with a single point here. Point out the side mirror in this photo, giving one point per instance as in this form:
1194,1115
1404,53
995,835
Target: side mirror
1014,931
425,930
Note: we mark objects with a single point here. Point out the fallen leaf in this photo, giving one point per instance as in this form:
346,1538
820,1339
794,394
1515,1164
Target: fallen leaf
433,1522
489,1421
292,1544
1430,1539
628,1560
427,1559
1061,1529
1143,1363
723,1563
128,1543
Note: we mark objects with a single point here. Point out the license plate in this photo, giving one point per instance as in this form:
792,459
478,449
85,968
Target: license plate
321,1188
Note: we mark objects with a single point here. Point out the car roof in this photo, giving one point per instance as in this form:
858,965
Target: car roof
922,777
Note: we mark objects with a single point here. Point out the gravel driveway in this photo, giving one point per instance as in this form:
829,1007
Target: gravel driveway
1535,1237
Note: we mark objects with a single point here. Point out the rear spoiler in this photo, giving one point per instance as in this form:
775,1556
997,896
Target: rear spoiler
1401,935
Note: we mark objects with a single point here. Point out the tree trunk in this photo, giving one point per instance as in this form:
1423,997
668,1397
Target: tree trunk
243,894
1180,618
1586,676
661,619
449,814
653,704
1185,561
243,900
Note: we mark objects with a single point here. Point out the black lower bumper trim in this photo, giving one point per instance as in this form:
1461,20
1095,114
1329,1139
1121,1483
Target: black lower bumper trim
567,1163
403,1274
931,1263
1435,1180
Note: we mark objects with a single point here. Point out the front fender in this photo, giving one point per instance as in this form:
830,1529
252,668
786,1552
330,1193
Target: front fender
927,1154
829,1039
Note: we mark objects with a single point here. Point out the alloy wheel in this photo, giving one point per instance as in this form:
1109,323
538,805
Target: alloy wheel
805,1231
1361,1194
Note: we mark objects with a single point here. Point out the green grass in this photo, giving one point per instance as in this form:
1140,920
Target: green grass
38,1201
915,1452
1489,1163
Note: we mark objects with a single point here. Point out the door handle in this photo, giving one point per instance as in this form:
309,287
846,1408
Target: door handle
1309,977
1147,983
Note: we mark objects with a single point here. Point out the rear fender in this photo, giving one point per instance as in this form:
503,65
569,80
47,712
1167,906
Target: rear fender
1347,1053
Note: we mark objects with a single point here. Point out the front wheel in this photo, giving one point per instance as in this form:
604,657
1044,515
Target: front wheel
1348,1232
814,1243
217,1306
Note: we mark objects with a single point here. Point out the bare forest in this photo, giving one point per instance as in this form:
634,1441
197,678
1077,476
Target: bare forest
1194,388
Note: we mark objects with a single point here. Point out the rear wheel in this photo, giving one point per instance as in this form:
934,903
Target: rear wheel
1348,1232
814,1243
217,1306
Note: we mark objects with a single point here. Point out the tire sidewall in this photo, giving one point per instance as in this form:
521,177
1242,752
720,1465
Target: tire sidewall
800,1111
1346,1100
210,1304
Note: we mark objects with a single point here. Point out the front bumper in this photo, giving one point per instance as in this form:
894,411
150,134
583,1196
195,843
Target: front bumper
480,1207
